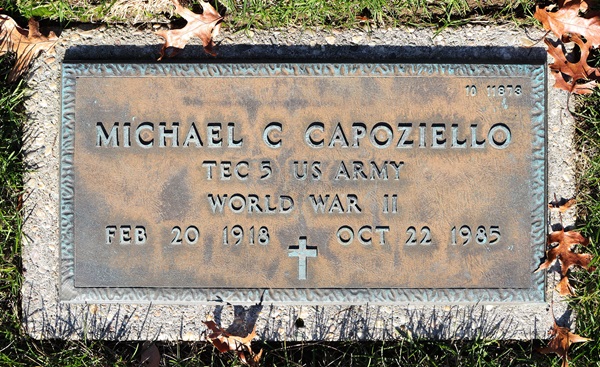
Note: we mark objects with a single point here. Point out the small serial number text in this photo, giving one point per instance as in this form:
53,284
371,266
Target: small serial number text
501,90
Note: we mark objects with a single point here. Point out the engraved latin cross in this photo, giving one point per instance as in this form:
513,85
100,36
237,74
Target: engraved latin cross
302,252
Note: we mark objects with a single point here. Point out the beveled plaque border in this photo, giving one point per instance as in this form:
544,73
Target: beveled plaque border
538,172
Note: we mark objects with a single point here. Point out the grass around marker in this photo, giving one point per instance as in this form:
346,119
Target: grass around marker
17,349
246,14
587,302
11,172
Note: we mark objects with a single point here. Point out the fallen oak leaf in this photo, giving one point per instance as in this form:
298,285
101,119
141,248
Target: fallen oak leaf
256,358
225,342
572,20
217,336
584,49
572,86
26,44
253,360
562,338
568,260
204,26
562,205
567,238
564,287
576,70
564,254
585,88
567,73
567,19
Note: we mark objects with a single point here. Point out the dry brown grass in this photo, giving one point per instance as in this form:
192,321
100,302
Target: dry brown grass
129,11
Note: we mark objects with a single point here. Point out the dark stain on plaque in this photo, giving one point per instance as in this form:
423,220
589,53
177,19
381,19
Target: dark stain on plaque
193,101
251,105
175,197
293,104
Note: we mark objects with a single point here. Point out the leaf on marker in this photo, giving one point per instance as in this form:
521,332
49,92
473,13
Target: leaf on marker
225,342
563,252
563,204
26,44
572,17
204,26
561,340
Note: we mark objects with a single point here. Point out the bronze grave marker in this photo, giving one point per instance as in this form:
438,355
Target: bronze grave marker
303,183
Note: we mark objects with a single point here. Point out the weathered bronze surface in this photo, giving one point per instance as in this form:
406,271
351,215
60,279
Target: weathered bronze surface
312,181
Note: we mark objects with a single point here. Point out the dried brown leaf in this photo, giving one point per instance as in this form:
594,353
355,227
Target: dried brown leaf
567,73
568,238
563,252
584,50
572,17
225,342
218,337
569,259
563,204
256,359
584,88
204,26
576,70
573,21
26,44
572,86
562,338
564,287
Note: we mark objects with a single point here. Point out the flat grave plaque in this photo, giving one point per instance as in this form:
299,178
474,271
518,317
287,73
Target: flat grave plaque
302,183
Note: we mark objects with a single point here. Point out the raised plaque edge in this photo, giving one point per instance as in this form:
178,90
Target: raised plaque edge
69,293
